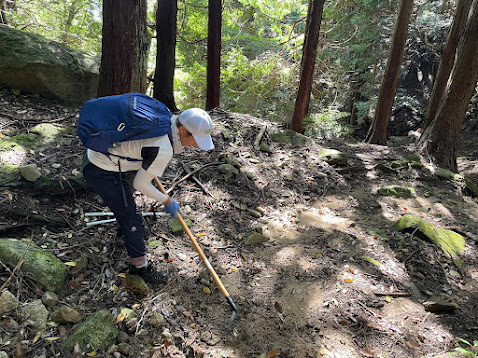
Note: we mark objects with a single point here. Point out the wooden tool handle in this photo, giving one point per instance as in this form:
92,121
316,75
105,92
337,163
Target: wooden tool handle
200,252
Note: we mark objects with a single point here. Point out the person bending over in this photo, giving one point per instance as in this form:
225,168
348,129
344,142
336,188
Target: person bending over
110,176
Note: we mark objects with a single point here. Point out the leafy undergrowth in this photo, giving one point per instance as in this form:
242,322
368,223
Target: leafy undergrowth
334,278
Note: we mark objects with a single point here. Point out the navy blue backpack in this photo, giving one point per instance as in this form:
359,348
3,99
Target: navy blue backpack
131,116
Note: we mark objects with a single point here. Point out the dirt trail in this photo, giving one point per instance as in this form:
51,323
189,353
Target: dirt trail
333,279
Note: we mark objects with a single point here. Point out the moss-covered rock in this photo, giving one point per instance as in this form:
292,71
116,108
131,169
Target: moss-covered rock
37,65
397,191
98,331
136,285
229,171
176,226
293,138
43,266
450,242
332,156
9,174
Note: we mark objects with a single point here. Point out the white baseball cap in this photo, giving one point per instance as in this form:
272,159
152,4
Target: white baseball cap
199,124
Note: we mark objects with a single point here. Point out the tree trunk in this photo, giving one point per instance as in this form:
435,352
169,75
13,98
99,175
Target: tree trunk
124,48
213,83
72,11
309,57
447,58
377,133
166,28
439,142
3,16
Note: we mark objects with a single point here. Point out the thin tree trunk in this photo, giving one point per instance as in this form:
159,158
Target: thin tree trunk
213,83
447,58
309,57
166,28
3,16
439,142
124,47
378,130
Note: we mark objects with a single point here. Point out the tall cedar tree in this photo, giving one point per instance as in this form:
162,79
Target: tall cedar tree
166,28
440,140
124,47
213,82
309,56
447,58
377,133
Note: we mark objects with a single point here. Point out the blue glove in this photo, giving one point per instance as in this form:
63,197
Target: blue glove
172,208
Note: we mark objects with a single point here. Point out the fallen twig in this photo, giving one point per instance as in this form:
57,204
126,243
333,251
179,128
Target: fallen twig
393,294
186,168
190,175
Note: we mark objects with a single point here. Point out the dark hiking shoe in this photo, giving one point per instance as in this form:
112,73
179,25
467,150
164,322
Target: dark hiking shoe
149,274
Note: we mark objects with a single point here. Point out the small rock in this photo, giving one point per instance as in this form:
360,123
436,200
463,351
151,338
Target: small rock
229,171
131,324
36,313
167,335
66,315
3,354
125,349
136,285
332,156
128,313
30,172
210,338
157,319
49,299
263,147
437,304
8,302
56,165
256,238
123,337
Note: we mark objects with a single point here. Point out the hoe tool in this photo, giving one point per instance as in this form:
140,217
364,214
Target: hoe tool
203,258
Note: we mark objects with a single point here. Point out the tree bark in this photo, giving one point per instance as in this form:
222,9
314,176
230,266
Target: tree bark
124,47
309,57
377,133
213,82
447,58
439,141
3,16
166,28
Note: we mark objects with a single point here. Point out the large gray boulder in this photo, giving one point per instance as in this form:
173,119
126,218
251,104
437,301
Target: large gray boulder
35,65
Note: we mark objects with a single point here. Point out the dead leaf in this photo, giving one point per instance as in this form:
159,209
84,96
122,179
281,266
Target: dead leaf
62,331
367,352
120,318
37,337
272,353
74,285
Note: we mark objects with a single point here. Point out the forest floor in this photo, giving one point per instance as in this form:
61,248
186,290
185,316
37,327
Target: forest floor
334,279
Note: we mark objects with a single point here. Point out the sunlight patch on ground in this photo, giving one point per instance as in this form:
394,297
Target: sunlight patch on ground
14,157
324,218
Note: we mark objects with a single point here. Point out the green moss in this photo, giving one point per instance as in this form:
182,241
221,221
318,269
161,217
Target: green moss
21,142
450,242
98,331
8,173
397,191
43,266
